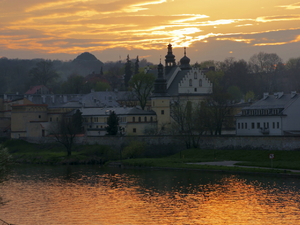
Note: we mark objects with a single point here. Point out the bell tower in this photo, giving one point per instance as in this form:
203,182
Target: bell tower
170,60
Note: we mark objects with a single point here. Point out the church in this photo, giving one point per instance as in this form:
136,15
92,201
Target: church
177,83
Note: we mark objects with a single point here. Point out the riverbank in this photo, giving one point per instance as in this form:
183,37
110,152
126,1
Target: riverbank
259,161
55,154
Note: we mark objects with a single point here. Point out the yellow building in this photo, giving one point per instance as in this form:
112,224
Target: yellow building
27,120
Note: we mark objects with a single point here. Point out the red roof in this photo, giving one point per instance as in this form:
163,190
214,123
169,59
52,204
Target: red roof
34,89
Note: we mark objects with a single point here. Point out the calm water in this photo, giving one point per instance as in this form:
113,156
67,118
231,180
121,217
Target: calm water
93,195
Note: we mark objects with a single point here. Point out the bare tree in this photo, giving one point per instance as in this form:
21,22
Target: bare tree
66,130
43,73
190,121
142,85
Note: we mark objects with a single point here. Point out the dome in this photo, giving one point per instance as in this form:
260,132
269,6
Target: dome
185,61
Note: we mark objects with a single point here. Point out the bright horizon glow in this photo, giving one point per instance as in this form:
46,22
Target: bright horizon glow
110,29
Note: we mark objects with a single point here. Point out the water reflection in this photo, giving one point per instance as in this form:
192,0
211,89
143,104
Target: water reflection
61,195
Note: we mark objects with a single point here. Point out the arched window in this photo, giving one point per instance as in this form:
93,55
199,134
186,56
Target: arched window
200,83
191,82
145,119
195,75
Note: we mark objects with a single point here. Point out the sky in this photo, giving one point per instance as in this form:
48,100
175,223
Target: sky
113,29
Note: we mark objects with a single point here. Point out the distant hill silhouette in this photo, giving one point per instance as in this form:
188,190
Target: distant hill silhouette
86,63
86,56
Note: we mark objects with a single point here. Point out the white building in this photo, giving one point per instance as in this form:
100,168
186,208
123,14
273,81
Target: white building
277,114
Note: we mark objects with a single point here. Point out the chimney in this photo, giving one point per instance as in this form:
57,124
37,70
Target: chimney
266,95
65,99
293,94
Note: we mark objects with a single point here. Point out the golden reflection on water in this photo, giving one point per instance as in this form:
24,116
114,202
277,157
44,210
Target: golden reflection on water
120,199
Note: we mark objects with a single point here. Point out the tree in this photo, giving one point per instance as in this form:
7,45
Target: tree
142,85
264,62
113,124
43,73
190,121
128,71
73,85
4,158
136,65
65,131
218,102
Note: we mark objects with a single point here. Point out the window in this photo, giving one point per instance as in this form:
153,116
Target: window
195,89
139,119
242,125
191,82
145,119
134,130
162,112
195,75
277,125
245,125
252,125
273,125
238,125
50,119
151,119
133,119
200,83
258,125
39,116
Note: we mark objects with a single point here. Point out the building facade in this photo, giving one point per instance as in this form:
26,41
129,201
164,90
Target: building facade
276,114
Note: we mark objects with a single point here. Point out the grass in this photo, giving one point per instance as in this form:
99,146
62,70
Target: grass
24,152
53,153
288,160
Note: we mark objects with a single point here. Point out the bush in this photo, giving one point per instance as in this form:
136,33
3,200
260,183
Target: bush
4,157
135,149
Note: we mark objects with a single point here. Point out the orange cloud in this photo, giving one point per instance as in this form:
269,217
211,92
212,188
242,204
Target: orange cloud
291,6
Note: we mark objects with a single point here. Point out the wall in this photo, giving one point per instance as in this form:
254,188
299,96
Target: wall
170,144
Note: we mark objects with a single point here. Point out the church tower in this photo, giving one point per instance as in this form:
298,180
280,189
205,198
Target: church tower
160,84
160,100
170,60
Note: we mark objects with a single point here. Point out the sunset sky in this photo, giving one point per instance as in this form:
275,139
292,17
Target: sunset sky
111,29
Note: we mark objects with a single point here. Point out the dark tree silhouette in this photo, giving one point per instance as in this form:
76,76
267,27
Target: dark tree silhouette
65,131
136,65
43,73
113,124
142,86
128,71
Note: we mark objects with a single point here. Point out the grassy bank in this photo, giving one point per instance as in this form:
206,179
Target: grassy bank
288,160
53,153
24,152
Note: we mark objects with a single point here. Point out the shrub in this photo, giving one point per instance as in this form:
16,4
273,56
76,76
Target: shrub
135,149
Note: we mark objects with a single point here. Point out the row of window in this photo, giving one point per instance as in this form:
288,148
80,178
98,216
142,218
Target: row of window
96,119
261,112
258,125
140,119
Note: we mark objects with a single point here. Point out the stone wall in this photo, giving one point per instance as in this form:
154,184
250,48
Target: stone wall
171,144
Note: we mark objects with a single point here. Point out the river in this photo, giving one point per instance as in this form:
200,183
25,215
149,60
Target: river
112,196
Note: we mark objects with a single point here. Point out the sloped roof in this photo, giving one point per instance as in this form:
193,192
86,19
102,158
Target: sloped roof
273,101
